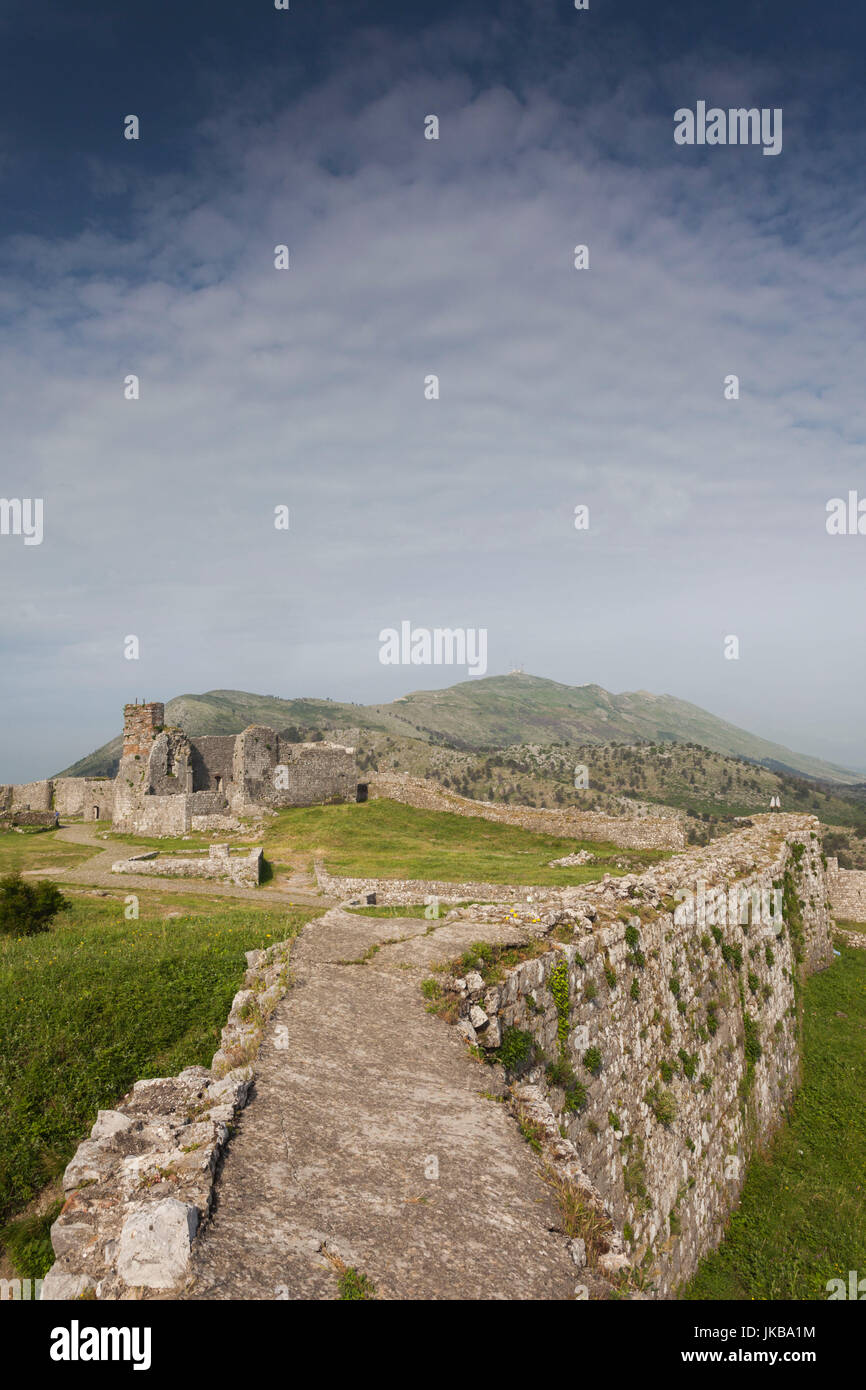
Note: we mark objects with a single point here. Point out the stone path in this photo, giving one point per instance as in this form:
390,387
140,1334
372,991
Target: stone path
369,1134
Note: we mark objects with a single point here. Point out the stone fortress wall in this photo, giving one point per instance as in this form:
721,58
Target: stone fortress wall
682,1022
847,889
630,832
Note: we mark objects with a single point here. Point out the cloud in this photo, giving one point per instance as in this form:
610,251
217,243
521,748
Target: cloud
411,257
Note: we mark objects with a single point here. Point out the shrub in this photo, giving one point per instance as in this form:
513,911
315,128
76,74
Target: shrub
516,1050
29,908
689,1061
592,1060
662,1104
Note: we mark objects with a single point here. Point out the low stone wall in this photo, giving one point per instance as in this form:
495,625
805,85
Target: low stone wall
645,832
847,891
397,891
680,1023
44,820
139,1189
245,870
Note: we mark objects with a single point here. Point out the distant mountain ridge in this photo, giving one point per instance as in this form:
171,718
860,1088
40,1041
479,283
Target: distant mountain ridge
491,712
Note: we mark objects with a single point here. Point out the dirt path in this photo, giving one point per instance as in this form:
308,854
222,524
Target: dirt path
298,889
369,1133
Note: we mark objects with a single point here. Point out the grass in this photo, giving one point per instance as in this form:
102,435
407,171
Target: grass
802,1217
25,852
98,1002
385,839
851,926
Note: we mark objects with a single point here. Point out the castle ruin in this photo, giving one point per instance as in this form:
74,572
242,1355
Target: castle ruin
170,783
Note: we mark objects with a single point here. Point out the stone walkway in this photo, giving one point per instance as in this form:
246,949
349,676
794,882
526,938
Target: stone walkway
369,1135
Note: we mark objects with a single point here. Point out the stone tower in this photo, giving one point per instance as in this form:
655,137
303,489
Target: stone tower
141,724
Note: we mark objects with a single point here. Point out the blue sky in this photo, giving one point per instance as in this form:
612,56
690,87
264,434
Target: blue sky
411,257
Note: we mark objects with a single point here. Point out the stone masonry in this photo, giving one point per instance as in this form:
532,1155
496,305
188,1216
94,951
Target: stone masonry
675,1006
241,868
631,832
847,891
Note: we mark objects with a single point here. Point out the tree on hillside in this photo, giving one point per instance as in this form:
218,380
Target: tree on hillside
28,908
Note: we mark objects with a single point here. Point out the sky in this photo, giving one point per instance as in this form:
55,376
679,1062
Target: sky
409,258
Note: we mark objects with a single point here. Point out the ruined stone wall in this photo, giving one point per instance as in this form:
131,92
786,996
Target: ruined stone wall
646,832
254,760
44,820
269,772
27,796
141,724
682,1026
155,816
243,869
847,891
77,796
206,803
168,764
211,758
317,772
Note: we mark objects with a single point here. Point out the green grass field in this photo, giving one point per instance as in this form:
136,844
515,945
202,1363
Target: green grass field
385,839
802,1217
38,850
98,1002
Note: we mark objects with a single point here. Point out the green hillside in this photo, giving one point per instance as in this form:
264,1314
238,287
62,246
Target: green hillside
493,712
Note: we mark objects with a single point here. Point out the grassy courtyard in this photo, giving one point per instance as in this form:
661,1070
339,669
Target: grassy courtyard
386,839
28,850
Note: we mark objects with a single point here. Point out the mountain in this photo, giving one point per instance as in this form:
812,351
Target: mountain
491,712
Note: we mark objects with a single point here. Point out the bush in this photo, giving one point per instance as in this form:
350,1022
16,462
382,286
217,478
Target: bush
517,1049
28,908
662,1104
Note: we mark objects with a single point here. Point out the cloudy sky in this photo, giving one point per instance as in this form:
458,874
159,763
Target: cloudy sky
411,257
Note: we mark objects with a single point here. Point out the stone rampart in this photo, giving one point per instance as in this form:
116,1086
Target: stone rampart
847,891
630,832
674,1017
